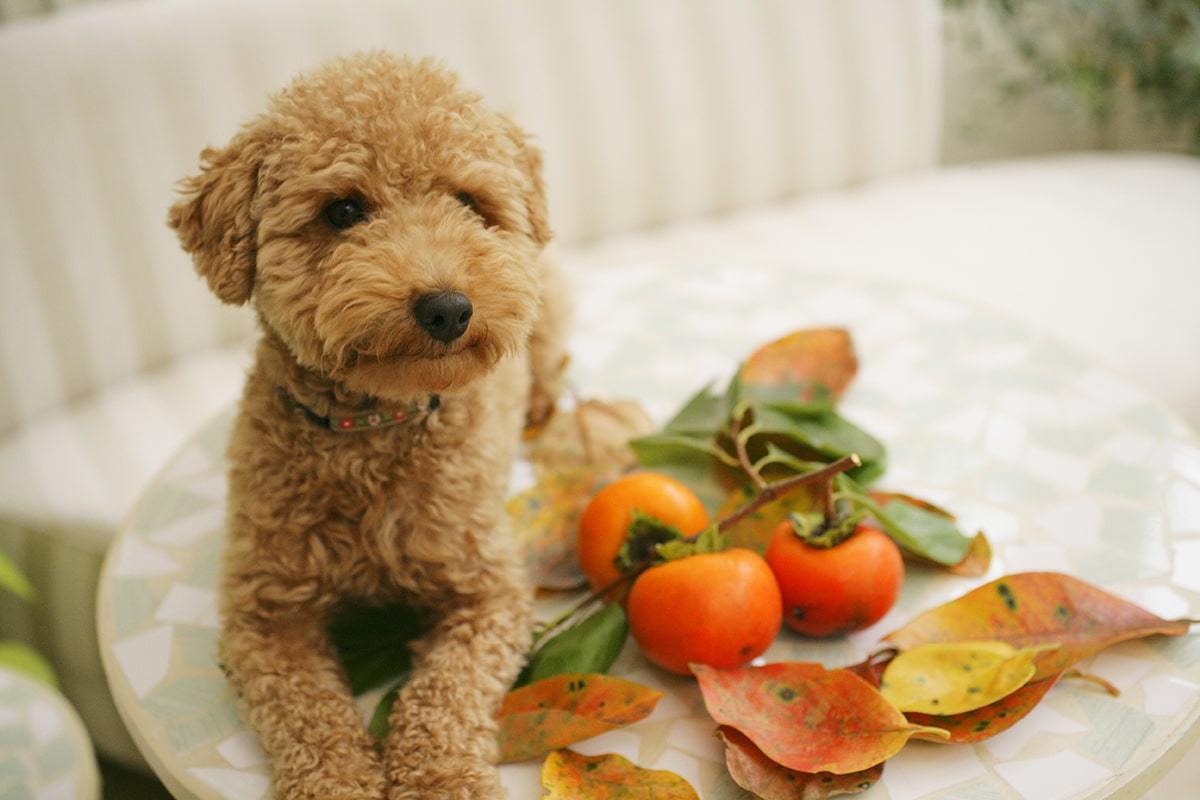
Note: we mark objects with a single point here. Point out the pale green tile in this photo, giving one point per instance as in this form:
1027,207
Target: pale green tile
197,647
167,504
1117,731
13,770
14,736
1008,485
133,605
1073,441
56,759
1124,480
19,792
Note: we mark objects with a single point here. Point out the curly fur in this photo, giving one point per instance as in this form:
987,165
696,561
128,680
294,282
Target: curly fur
413,512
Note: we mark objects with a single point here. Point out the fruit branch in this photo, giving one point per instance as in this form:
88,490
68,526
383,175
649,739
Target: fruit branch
773,491
740,437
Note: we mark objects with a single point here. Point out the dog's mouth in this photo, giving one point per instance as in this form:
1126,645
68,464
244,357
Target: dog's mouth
401,372
475,343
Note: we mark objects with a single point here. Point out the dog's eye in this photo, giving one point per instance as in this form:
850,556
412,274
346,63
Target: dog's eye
345,212
468,200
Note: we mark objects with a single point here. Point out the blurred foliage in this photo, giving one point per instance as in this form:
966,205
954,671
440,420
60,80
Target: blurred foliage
1094,51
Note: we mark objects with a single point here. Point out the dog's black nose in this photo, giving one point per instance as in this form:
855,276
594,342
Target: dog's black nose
444,315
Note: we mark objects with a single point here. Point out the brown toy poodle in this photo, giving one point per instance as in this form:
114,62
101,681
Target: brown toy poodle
389,231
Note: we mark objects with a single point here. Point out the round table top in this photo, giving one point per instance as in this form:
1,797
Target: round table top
45,752
1065,466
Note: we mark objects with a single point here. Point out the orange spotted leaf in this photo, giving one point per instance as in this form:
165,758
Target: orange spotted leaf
762,777
816,355
570,776
1033,608
984,723
807,718
545,520
564,709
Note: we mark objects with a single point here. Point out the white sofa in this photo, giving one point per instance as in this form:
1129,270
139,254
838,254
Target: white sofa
797,132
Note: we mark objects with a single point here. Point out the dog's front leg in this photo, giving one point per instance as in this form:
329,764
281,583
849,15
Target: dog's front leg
296,699
441,742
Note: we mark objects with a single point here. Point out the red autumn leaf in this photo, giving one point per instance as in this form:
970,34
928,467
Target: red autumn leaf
984,723
807,718
564,709
762,777
1033,608
815,355
570,776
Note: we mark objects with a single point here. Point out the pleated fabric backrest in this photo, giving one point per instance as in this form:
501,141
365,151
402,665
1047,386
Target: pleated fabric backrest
649,111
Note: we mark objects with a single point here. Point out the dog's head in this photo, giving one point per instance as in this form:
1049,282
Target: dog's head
384,223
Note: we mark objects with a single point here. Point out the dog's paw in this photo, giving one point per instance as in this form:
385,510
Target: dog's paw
444,782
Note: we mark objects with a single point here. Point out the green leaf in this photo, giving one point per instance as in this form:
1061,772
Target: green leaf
704,414
373,643
826,433
590,646
697,462
378,726
921,532
20,657
791,398
13,580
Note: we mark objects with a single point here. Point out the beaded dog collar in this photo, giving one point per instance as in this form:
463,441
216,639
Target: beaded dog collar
372,419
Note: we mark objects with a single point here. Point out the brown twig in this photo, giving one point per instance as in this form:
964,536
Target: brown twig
773,491
739,446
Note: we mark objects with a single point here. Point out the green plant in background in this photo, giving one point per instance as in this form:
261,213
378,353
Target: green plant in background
18,656
1093,51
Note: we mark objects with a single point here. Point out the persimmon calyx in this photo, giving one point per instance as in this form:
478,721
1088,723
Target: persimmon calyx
823,532
645,534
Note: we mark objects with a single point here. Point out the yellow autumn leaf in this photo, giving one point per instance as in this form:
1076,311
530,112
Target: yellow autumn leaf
570,776
956,677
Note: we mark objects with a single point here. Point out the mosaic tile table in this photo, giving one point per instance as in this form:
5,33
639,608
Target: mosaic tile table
1064,465
45,753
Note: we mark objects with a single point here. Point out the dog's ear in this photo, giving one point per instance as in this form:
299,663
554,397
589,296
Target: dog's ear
529,158
214,220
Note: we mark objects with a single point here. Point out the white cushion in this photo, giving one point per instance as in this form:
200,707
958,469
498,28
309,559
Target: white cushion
83,467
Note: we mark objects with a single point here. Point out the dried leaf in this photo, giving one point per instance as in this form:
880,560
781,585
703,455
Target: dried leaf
1033,608
593,436
545,521
986,722
588,646
762,777
956,677
564,709
570,776
805,717
824,356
